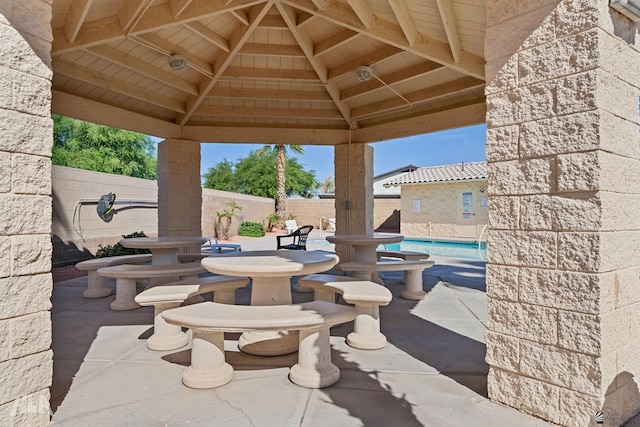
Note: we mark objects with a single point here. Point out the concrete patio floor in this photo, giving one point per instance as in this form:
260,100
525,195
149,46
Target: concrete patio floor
432,372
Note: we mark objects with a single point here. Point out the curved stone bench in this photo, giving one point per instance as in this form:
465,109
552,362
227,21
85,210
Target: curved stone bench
96,284
366,296
127,275
405,255
164,297
412,272
209,321
192,257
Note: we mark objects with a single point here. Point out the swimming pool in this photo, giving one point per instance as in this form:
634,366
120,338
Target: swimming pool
466,250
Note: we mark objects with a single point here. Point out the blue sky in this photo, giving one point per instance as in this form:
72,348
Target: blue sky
438,148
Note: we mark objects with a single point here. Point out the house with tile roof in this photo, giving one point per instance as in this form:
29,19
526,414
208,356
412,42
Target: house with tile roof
447,201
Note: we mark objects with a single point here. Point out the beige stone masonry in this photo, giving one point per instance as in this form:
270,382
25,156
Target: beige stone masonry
179,188
25,196
563,273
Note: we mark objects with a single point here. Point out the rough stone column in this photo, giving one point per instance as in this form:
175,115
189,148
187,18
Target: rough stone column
354,188
26,361
563,84
179,188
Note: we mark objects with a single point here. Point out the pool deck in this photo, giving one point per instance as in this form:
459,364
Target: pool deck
432,371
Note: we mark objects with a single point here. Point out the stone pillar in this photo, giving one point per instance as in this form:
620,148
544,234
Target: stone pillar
354,192
179,188
26,360
563,339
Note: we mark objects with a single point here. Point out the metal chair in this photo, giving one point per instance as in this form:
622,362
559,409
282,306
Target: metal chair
299,239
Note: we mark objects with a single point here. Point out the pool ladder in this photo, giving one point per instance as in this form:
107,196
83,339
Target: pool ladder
480,239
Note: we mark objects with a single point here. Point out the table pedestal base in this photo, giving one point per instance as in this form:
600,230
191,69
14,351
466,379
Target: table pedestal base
269,343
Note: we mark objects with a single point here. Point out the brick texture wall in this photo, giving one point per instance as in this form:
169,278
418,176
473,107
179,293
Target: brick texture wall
26,360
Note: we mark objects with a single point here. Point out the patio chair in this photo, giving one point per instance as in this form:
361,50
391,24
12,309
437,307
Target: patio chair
290,225
299,239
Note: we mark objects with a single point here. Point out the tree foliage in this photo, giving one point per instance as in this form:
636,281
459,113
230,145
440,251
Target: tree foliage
88,146
256,175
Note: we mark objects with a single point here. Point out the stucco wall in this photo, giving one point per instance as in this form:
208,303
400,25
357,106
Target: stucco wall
444,209
79,236
386,212
26,360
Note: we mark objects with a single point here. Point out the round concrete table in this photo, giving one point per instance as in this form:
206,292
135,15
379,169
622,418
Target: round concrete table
271,273
164,250
365,246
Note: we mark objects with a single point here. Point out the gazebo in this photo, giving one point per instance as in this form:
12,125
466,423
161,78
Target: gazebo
556,82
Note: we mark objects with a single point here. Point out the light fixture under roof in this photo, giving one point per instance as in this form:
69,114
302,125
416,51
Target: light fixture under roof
177,62
364,73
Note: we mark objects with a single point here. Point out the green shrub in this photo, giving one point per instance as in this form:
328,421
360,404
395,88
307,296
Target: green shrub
118,249
251,229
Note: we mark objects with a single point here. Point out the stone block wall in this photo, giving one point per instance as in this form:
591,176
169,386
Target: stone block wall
78,236
26,365
386,212
254,209
77,230
441,209
563,269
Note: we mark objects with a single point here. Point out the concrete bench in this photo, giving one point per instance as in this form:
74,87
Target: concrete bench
366,296
127,275
209,320
192,257
164,297
405,255
97,285
412,272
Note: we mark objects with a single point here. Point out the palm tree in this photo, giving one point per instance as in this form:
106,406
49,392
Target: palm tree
281,159
222,232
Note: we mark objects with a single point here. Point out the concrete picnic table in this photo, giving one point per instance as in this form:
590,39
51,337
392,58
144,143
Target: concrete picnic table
364,247
271,273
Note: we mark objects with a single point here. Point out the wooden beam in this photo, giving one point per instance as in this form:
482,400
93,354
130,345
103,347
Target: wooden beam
298,135
178,6
209,35
448,16
305,42
371,58
108,29
144,68
224,60
96,112
268,113
319,4
390,79
130,11
271,94
391,34
394,102
466,114
363,12
401,11
333,42
103,81
241,16
158,43
75,18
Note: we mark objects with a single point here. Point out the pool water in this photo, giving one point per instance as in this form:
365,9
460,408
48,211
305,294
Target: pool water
466,250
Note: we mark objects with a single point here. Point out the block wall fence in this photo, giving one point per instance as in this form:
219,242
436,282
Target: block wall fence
26,358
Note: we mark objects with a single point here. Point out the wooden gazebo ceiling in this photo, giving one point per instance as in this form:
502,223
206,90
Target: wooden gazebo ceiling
270,70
